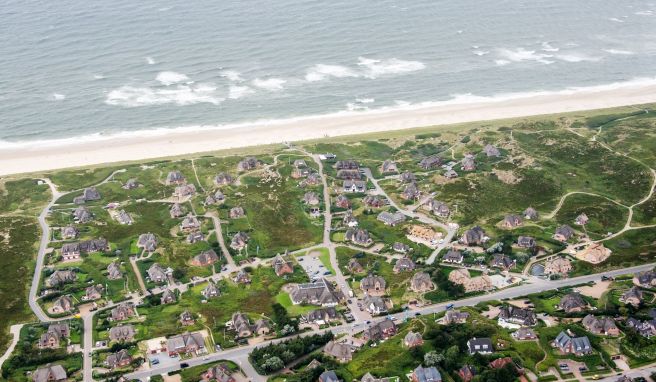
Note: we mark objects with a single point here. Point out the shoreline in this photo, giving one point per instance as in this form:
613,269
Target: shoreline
34,157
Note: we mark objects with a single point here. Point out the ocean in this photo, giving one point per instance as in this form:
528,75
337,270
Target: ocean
72,69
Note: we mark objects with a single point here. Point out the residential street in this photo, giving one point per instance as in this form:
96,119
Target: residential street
240,354
536,285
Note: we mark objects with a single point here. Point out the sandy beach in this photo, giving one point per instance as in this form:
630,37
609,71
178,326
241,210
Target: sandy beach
38,157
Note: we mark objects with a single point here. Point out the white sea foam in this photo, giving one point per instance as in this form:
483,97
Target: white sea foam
375,68
354,106
320,72
645,13
232,75
58,97
270,84
397,106
523,55
576,57
150,61
547,47
170,78
481,52
365,100
129,96
616,20
619,52
501,62
237,92
98,76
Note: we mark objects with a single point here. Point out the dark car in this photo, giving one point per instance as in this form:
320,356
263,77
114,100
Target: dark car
184,365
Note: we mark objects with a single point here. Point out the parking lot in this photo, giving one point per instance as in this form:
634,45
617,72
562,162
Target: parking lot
313,267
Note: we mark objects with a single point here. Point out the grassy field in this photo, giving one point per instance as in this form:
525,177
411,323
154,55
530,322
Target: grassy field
605,216
18,236
23,196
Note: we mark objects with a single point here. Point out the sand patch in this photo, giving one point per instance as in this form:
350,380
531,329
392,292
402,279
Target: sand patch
596,290
492,313
507,177
519,303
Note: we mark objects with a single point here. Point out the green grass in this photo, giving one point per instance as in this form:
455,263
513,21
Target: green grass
276,219
23,196
78,179
192,374
18,237
255,300
283,299
325,259
605,216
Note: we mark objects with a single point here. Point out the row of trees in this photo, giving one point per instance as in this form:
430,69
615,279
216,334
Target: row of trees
274,357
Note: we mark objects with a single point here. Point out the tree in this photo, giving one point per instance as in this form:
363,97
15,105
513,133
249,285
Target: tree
273,364
451,357
433,358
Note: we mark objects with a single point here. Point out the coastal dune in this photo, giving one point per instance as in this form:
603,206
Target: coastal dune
163,143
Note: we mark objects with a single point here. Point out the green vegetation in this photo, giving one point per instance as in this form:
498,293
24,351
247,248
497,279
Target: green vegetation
27,357
273,357
192,374
605,216
18,236
23,196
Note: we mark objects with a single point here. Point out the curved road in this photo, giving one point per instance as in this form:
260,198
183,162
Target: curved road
45,240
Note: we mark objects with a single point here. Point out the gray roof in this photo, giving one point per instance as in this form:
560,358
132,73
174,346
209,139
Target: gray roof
391,218
320,292
114,271
328,376
114,359
571,301
480,345
358,236
565,231
147,241
338,350
453,256
49,373
427,374
207,257
122,333
372,282
473,236
573,344
185,340
521,316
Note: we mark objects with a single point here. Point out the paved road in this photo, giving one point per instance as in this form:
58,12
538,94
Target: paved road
88,347
15,332
219,236
43,245
327,227
534,286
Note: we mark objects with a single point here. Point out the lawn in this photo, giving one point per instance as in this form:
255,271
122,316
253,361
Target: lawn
283,299
325,259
